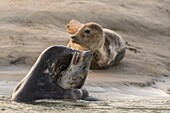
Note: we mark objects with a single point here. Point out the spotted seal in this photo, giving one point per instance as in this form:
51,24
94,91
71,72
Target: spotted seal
58,73
107,46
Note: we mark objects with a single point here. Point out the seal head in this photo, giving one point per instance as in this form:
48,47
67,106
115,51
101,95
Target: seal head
89,36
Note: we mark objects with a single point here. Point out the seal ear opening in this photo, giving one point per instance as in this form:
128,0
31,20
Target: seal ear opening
73,26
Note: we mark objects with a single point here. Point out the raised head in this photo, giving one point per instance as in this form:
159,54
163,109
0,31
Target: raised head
56,72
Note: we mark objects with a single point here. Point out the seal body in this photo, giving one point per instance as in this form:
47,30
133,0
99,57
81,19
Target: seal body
58,73
107,46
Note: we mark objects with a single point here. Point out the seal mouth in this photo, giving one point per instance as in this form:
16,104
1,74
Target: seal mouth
75,74
76,58
77,39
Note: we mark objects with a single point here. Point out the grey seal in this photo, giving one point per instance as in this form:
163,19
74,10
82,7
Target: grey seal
58,73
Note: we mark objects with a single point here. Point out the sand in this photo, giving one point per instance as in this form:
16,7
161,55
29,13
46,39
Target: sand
27,27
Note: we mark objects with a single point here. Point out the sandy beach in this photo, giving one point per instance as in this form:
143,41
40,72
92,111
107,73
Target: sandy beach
27,27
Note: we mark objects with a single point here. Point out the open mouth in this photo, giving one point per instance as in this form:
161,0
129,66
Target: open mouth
76,58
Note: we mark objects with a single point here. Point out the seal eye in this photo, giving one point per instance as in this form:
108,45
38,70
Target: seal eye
87,31
65,51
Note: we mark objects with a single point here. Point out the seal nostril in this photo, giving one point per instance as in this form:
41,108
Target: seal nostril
84,68
73,37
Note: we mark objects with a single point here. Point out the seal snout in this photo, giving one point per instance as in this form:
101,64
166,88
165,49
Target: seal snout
75,39
82,56
87,55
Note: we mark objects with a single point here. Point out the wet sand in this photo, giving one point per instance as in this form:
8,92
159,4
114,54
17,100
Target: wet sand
28,27
126,105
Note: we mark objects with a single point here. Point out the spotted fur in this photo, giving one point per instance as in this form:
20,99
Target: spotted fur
107,46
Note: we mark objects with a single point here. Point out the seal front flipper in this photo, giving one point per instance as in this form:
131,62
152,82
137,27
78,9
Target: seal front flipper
86,95
90,98
82,94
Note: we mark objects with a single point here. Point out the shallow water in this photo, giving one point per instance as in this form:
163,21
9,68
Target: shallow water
124,105
114,99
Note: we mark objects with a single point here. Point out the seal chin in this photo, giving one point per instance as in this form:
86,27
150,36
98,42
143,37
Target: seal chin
75,75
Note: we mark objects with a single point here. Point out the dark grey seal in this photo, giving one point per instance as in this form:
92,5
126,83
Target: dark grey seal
58,73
